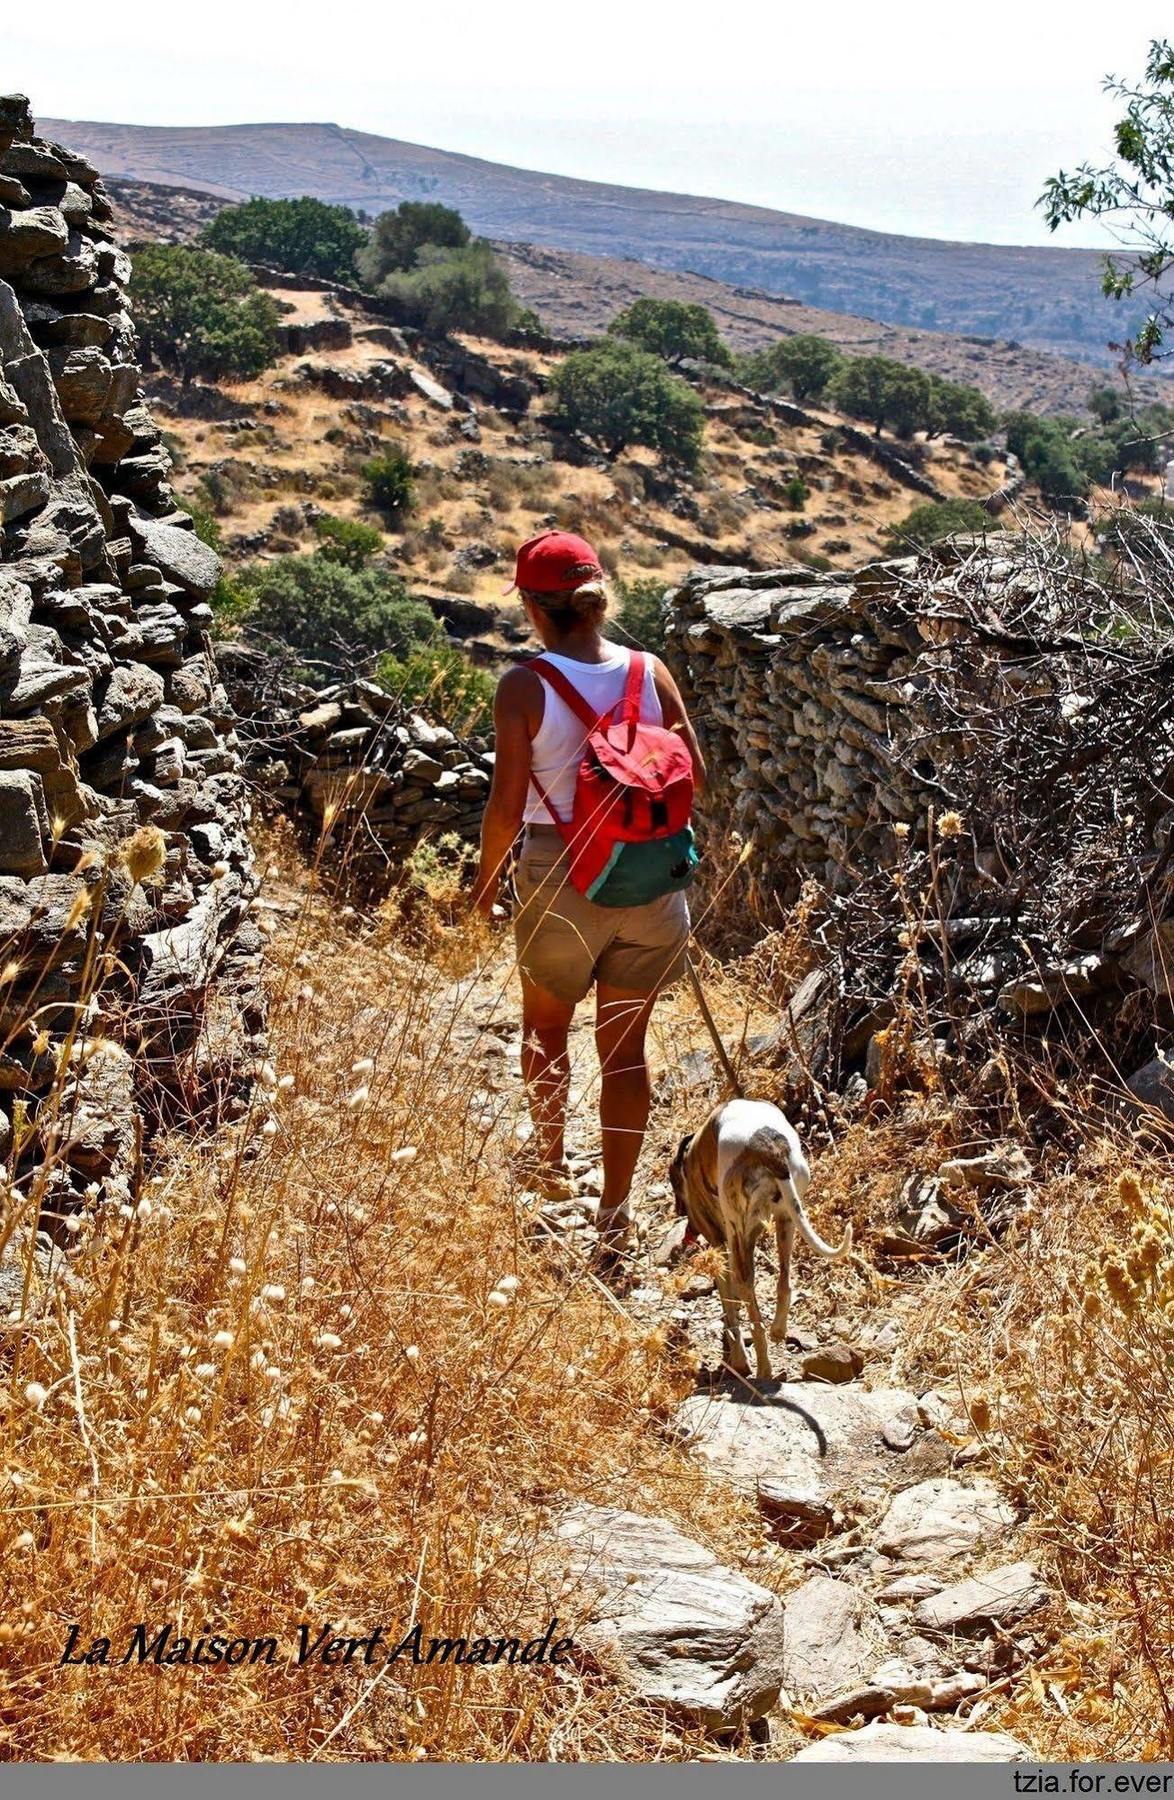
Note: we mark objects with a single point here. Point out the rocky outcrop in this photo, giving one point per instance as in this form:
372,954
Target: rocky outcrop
125,871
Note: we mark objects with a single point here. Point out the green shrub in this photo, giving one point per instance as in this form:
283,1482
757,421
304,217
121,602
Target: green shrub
639,612
959,409
672,329
618,395
306,236
795,492
390,483
883,392
934,520
202,313
398,236
347,541
439,676
466,289
804,364
1105,403
331,614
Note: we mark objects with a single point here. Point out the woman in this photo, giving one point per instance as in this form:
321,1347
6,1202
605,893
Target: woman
566,943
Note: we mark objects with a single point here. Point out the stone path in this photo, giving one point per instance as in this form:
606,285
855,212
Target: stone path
909,1599
685,1631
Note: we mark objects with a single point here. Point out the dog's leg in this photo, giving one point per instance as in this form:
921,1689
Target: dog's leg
733,1348
784,1239
762,1368
742,1284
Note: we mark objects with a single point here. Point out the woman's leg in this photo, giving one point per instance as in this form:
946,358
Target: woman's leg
621,1021
546,1068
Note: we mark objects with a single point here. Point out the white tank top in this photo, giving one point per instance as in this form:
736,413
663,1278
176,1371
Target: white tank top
557,748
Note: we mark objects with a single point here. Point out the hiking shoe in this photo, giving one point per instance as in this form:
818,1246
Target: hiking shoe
615,1246
614,1264
551,1181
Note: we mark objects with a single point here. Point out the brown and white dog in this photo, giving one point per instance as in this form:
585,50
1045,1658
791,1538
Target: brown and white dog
744,1169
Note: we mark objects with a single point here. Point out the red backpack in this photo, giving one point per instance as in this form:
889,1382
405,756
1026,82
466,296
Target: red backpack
629,836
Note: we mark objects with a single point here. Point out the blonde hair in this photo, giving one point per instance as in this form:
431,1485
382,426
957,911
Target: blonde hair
570,606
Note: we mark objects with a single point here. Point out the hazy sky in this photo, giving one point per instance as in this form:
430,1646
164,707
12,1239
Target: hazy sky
914,117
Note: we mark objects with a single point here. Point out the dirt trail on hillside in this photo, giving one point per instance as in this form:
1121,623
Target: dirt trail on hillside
907,1596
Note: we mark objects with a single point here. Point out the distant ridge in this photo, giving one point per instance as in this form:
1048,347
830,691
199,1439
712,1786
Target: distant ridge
1043,296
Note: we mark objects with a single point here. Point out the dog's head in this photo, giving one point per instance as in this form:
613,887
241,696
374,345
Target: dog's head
677,1174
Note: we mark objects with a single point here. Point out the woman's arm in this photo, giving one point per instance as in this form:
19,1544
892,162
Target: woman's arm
517,714
677,719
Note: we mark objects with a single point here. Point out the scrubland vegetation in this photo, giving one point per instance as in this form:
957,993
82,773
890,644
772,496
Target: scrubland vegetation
322,1368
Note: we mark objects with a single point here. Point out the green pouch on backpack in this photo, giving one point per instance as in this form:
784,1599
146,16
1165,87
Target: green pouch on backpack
638,873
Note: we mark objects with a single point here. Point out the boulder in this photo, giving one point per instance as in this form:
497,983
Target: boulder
914,1743
82,377
98,1112
432,391
132,695
1153,1085
832,1363
24,236
179,554
1151,959
71,270
22,850
686,1632
1000,1597
833,1638
807,1451
938,1520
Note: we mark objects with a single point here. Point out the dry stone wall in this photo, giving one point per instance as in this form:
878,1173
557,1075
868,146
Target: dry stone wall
377,775
979,684
112,717
801,685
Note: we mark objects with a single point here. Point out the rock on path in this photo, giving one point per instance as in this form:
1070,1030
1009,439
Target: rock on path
938,1520
915,1743
688,1632
833,1638
1000,1597
808,1451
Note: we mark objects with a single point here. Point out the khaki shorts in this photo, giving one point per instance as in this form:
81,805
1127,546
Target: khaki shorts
566,942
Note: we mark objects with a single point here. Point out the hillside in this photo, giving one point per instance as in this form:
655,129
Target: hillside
576,294
1047,297
293,443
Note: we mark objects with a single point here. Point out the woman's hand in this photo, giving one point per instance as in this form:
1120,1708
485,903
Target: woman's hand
519,695
484,896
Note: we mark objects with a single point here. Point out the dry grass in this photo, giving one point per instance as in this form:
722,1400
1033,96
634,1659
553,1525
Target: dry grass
1067,1344
282,1391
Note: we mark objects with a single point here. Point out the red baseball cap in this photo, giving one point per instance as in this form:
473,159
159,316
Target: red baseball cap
553,562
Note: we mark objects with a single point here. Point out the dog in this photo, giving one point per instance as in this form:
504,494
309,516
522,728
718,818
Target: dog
743,1169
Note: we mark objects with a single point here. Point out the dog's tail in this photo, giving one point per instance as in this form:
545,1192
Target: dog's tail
779,1166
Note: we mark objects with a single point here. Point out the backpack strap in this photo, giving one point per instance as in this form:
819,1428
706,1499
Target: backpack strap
563,829
633,688
628,708
566,692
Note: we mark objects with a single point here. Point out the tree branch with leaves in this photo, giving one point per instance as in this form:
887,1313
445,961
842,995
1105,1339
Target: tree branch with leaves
1135,196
